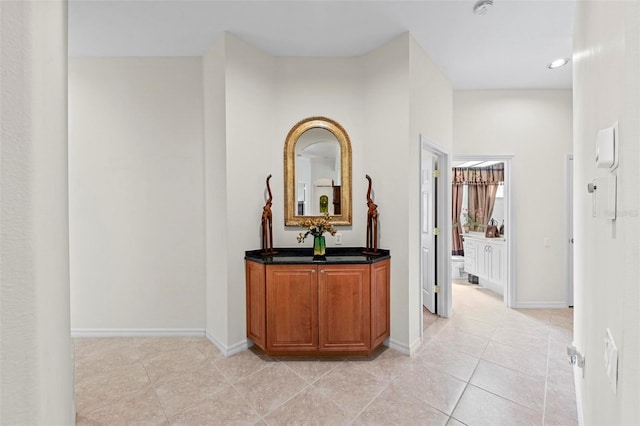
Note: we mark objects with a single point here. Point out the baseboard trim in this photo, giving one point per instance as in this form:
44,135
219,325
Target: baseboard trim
400,347
228,350
137,332
540,305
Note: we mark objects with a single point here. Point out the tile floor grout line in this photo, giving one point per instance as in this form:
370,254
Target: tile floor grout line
155,391
466,386
546,381
371,401
308,385
476,304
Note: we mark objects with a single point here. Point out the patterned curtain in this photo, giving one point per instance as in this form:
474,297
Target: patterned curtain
457,249
457,186
483,186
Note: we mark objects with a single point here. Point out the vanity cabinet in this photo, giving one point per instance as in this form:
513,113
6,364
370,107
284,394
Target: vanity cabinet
317,308
486,258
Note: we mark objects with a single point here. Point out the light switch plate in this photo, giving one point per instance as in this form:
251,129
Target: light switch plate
611,360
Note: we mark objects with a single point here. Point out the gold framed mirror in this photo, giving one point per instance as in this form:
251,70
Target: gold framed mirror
317,171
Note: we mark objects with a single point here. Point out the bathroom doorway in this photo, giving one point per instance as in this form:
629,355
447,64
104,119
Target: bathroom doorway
476,258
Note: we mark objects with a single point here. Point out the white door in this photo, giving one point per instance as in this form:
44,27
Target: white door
428,253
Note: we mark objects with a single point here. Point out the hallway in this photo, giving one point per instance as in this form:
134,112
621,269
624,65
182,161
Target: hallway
486,365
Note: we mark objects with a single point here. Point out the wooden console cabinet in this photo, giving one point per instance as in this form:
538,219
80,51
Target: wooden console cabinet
317,308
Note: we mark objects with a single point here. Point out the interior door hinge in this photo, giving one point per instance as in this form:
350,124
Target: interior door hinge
436,174
436,231
436,288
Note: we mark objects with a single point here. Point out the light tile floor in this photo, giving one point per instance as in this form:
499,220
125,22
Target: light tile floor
487,365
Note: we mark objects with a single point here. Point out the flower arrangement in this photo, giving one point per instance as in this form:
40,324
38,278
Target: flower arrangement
316,226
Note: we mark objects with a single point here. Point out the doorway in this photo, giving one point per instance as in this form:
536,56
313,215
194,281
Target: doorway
435,243
491,260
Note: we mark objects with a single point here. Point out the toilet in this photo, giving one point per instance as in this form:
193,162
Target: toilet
457,267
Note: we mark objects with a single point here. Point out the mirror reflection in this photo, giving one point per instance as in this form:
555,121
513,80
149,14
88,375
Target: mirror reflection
318,177
317,172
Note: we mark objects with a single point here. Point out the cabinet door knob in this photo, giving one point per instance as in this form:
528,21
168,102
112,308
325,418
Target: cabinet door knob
313,271
322,271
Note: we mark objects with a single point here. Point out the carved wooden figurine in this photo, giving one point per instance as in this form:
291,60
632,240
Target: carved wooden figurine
267,228
372,223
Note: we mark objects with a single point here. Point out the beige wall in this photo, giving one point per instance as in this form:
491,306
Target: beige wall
431,115
136,194
250,140
246,101
387,155
535,126
607,294
215,190
36,357
263,98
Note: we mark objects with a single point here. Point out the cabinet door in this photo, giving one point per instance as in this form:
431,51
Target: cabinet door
344,303
496,272
380,315
482,257
470,257
292,308
256,304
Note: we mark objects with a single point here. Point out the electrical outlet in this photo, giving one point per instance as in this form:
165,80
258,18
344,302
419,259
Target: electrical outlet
546,242
338,238
611,360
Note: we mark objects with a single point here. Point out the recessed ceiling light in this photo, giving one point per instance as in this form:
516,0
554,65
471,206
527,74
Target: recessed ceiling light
482,7
558,63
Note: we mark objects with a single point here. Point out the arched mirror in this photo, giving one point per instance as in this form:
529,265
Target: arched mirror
317,171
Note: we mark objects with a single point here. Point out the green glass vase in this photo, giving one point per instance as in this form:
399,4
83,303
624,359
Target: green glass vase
319,247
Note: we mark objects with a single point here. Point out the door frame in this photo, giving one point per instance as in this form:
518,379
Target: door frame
510,227
569,188
443,210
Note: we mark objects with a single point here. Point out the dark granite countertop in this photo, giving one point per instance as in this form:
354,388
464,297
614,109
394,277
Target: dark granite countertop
334,255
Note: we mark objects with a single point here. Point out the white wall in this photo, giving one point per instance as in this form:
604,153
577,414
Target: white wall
262,98
215,194
535,126
431,112
136,194
250,143
607,294
251,101
386,156
330,87
36,385
405,96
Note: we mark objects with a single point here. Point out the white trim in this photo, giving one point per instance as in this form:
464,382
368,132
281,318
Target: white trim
232,349
400,347
509,294
577,375
137,332
569,291
444,300
415,346
540,305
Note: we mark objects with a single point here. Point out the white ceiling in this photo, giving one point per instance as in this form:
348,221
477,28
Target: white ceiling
508,48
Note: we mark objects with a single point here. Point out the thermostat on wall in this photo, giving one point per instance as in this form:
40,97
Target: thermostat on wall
607,148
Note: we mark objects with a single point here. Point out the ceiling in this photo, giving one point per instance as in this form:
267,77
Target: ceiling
508,48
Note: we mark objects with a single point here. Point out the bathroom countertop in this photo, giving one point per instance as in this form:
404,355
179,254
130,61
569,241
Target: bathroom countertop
480,236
